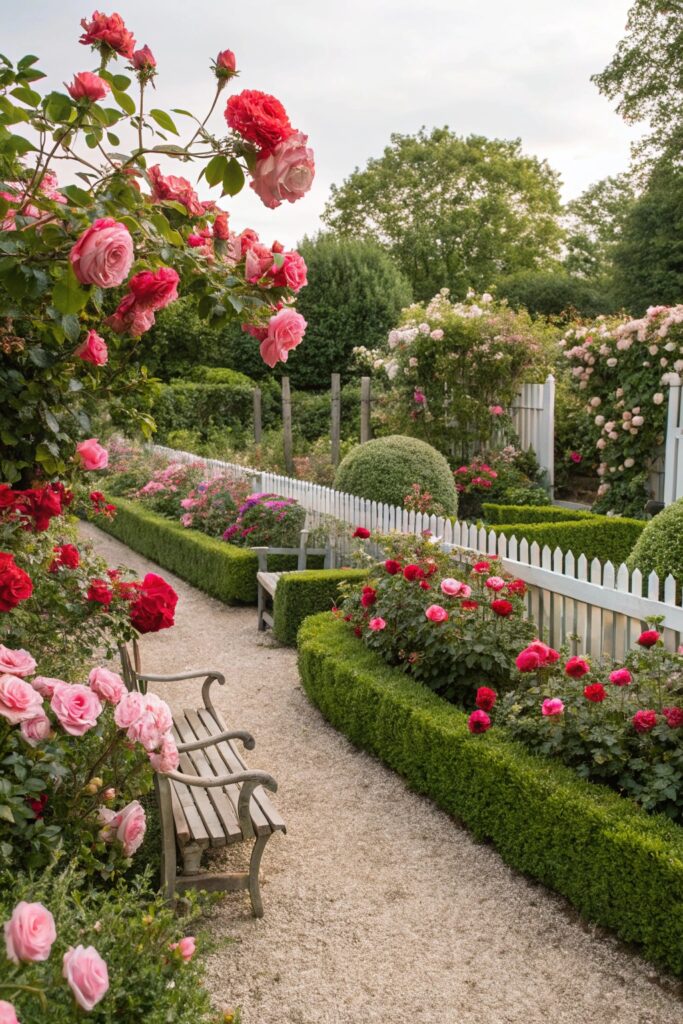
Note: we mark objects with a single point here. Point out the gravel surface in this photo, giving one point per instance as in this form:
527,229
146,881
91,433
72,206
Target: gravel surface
379,909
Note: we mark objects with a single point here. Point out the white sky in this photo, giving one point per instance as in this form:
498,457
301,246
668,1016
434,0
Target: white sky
351,73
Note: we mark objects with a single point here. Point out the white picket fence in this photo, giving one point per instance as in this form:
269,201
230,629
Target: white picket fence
533,417
673,455
606,605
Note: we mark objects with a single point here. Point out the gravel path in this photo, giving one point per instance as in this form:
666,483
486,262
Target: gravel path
378,908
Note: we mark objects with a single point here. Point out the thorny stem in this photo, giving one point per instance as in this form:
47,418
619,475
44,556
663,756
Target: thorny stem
221,83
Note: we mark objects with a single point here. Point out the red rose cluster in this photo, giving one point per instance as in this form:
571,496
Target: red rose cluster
154,608
15,584
35,507
100,506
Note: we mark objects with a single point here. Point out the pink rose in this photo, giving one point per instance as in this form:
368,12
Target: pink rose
258,262
292,273
8,1014
496,410
19,702
285,172
285,331
35,730
77,708
495,583
143,59
154,289
92,455
16,663
103,255
93,349
86,974
129,317
128,826
552,706
186,947
108,686
644,721
168,759
29,933
145,730
435,613
478,722
620,677
160,712
451,587
129,709
377,624
87,86
46,685
176,188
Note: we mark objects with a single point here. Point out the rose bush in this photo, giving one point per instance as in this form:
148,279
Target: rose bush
267,519
212,505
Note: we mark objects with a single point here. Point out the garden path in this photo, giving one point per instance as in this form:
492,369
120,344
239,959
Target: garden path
379,909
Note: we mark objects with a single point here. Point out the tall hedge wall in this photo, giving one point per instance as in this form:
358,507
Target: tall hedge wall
201,406
618,865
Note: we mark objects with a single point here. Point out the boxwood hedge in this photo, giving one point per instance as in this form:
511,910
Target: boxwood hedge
532,514
618,865
300,594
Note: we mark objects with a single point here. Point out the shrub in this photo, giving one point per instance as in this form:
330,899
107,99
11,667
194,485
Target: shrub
386,469
544,821
505,475
300,594
494,513
268,520
553,294
166,489
609,538
205,407
212,505
130,466
660,546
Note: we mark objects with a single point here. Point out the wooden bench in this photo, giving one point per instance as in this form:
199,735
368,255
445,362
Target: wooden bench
266,581
213,800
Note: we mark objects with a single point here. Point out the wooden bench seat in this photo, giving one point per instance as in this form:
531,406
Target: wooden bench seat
266,581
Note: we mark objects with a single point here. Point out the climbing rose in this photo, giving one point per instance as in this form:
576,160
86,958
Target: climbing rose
552,706
258,261
435,613
154,608
285,331
377,624
143,59
93,349
186,947
220,226
86,974
644,721
155,289
129,317
674,717
486,698
29,933
502,607
413,572
361,532
576,667
292,273
109,686
648,638
110,30
77,708
99,592
258,118
286,173
595,692
15,584
19,701
392,566
478,722
176,188
8,1015
92,455
103,255
16,662
87,86
620,677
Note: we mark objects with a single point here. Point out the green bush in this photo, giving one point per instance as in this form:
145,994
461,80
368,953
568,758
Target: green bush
531,513
618,865
609,538
300,594
205,407
660,546
386,469
554,293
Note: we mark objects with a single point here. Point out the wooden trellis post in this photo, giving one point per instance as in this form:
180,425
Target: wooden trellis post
287,424
364,409
336,417
257,415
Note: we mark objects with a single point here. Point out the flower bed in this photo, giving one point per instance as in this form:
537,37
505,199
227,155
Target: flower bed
618,865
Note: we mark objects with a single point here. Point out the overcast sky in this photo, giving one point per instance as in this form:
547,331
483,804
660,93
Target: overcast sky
351,73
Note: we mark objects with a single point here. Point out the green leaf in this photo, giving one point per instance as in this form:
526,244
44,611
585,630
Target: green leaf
20,145
233,178
179,110
52,421
113,140
171,149
131,223
93,138
6,813
72,327
124,101
120,82
216,169
165,230
11,113
26,62
68,296
57,106
164,120
77,195
26,95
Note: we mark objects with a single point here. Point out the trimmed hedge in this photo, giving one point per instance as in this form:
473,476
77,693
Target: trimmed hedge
203,406
605,537
300,594
618,865
531,514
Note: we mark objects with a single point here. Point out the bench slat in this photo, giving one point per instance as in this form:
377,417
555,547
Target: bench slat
216,766
194,826
269,581
225,827
212,826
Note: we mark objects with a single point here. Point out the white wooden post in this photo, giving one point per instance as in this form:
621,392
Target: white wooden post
546,435
673,457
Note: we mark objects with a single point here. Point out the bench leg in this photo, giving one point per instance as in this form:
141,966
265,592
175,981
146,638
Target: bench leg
254,866
192,859
168,846
261,608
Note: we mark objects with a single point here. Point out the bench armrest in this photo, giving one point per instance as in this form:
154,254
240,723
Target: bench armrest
249,780
209,675
236,734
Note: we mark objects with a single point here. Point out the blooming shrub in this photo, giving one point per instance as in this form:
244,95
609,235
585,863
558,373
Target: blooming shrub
267,519
620,725
212,504
454,628
504,475
623,368
167,488
130,466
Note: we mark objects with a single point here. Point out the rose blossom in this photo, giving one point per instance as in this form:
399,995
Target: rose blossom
620,677
15,584
176,188
16,663
285,331
480,567
392,566
77,708
19,701
552,706
29,933
128,826
86,974
8,1015
528,661
292,273
258,118
46,685
644,721
154,289
35,730
496,410
285,173
377,624
495,583
108,686
362,532
92,455
87,86
478,722
130,708
168,759
486,698
451,587
674,717
502,607
576,667
93,349
257,263
186,947
109,30
595,692
226,64
143,59
648,638
103,255
435,613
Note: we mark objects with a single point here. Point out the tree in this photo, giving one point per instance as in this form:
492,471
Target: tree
554,293
453,212
646,74
593,224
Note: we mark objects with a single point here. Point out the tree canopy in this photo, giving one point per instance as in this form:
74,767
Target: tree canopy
453,212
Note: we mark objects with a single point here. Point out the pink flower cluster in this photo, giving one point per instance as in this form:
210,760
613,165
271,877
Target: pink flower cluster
478,476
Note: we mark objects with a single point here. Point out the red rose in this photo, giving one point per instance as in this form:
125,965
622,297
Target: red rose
486,698
478,722
596,693
392,566
15,584
517,587
357,631
66,555
154,607
127,591
110,30
368,597
38,804
258,118
576,667
469,606
528,660
649,638
99,592
674,717
413,572
644,721
425,585
226,64
361,532
481,567
502,607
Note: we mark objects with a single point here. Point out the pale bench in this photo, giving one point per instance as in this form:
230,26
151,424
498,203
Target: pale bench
266,581
213,800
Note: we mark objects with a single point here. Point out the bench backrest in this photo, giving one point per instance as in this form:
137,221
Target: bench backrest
130,665
302,553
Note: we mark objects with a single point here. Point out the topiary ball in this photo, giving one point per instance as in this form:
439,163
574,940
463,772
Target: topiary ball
386,469
660,546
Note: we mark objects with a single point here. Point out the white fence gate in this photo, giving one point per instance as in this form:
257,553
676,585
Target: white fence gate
533,417
605,604
673,455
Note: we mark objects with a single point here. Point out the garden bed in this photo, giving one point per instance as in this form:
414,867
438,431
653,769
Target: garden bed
618,865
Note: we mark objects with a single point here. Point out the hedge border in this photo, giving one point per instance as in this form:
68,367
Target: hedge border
300,594
602,537
618,865
494,513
